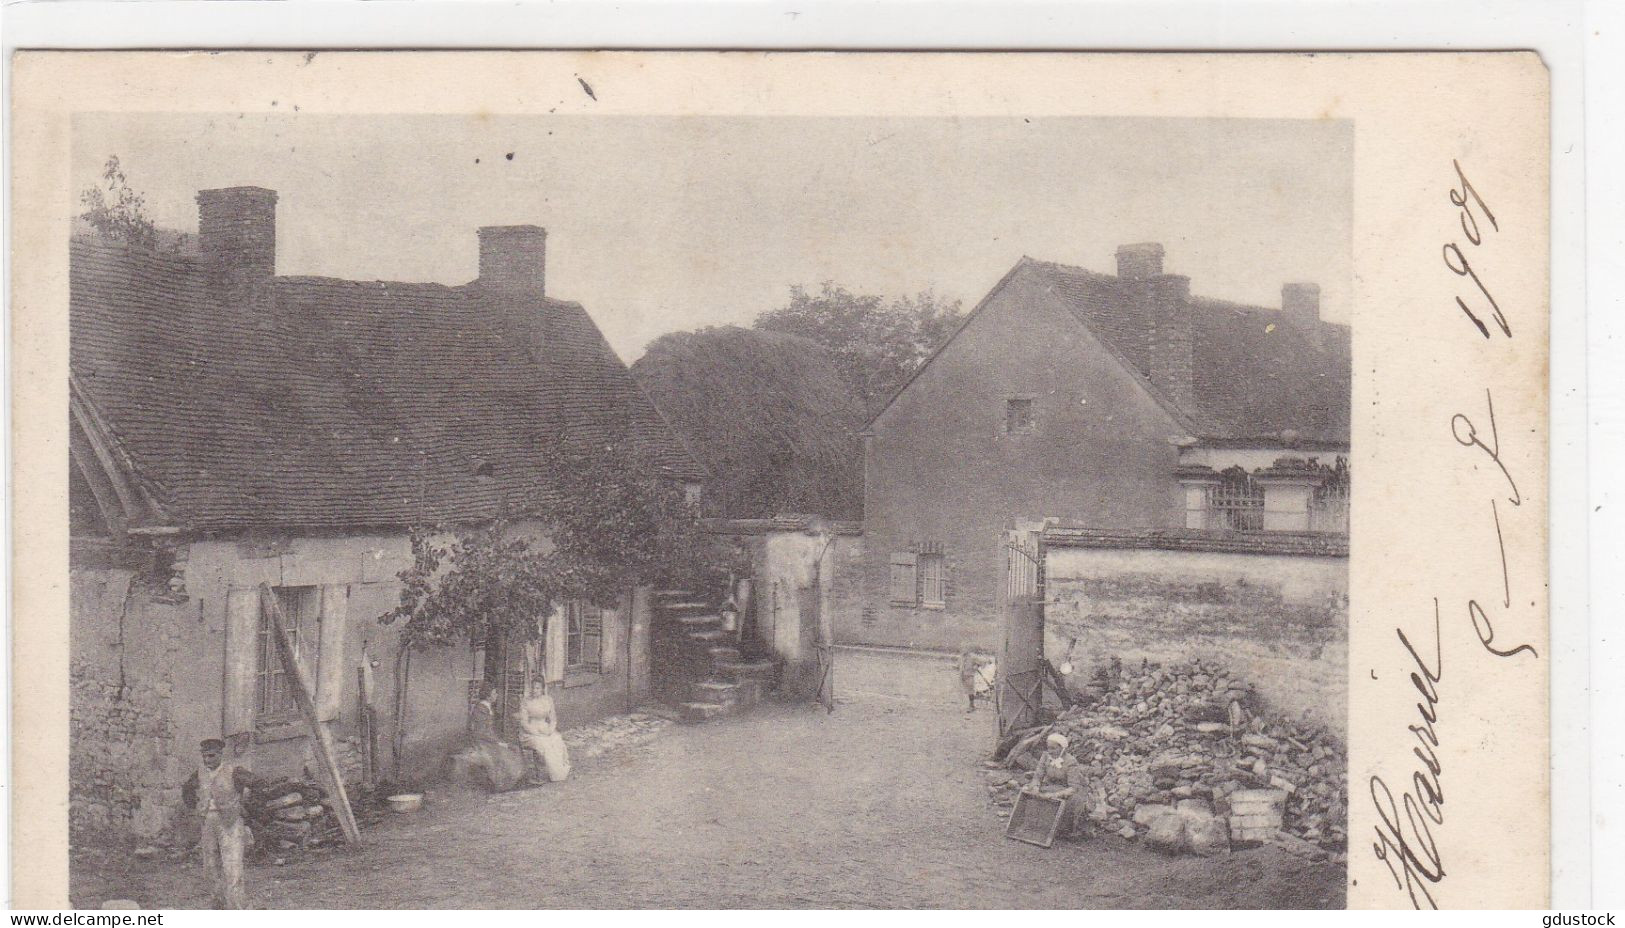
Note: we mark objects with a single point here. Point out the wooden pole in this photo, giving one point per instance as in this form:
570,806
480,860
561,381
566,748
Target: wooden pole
368,719
326,767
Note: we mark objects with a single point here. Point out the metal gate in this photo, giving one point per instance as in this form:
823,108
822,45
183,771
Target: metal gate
1020,689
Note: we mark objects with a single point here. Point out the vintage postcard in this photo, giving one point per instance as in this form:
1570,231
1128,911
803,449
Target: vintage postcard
779,480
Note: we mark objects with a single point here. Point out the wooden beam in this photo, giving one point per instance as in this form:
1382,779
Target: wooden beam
327,766
1057,683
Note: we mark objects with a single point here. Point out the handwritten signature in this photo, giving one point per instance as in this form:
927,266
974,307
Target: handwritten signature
1405,840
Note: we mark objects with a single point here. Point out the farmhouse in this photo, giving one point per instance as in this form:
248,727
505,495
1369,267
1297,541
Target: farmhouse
1135,416
231,426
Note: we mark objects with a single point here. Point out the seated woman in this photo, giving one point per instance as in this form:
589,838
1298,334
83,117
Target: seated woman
539,731
1059,776
483,753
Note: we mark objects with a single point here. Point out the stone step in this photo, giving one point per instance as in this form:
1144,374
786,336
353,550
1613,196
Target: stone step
708,635
703,711
673,594
672,609
746,669
750,692
723,652
698,618
720,692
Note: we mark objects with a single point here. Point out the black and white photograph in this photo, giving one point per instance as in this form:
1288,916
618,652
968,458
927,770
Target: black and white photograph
715,512
780,481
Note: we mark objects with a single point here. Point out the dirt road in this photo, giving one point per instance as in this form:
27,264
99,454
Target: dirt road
880,804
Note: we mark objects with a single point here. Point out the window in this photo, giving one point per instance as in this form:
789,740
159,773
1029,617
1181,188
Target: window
1018,415
1238,502
301,613
933,580
902,581
583,637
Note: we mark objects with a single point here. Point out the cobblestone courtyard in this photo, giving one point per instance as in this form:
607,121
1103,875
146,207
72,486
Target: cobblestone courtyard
880,804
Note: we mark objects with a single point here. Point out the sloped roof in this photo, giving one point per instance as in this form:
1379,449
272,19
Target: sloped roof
1255,374
321,402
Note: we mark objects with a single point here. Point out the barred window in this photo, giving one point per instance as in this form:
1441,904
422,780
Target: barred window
933,580
301,615
1237,502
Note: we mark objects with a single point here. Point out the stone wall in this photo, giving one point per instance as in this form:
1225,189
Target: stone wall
149,674
1276,613
125,760
798,563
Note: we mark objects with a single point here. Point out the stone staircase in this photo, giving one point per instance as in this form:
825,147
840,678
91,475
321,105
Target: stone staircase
699,668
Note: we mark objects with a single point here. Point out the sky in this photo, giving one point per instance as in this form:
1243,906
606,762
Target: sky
659,224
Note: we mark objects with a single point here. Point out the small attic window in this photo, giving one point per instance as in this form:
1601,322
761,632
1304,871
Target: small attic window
1018,414
485,471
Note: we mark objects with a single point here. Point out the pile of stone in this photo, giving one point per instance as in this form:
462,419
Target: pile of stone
1164,749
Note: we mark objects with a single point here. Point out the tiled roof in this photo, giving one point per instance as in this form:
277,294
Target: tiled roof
320,402
1255,375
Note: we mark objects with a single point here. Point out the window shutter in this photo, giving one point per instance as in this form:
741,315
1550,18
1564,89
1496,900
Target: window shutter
242,653
554,636
592,637
610,640
904,585
330,665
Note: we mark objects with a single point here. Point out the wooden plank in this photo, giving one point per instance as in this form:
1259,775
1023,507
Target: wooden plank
327,766
1057,683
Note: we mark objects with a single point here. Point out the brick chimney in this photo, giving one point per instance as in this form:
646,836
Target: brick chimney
514,258
237,235
1300,304
1170,343
1139,262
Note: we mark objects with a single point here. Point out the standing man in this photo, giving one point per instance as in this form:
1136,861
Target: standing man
216,791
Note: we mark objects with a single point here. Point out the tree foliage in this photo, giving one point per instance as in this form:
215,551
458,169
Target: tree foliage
877,344
769,414
115,210
609,523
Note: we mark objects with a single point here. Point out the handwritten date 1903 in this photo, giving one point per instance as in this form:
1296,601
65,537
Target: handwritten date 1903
1471,205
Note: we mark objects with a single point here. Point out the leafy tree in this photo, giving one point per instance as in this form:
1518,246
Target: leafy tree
115,210
610,522
769,414
877,345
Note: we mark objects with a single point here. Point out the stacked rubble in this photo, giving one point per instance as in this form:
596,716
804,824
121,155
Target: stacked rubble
1191,741
288,815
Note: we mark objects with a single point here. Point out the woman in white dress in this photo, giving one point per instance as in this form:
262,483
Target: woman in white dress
539,731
